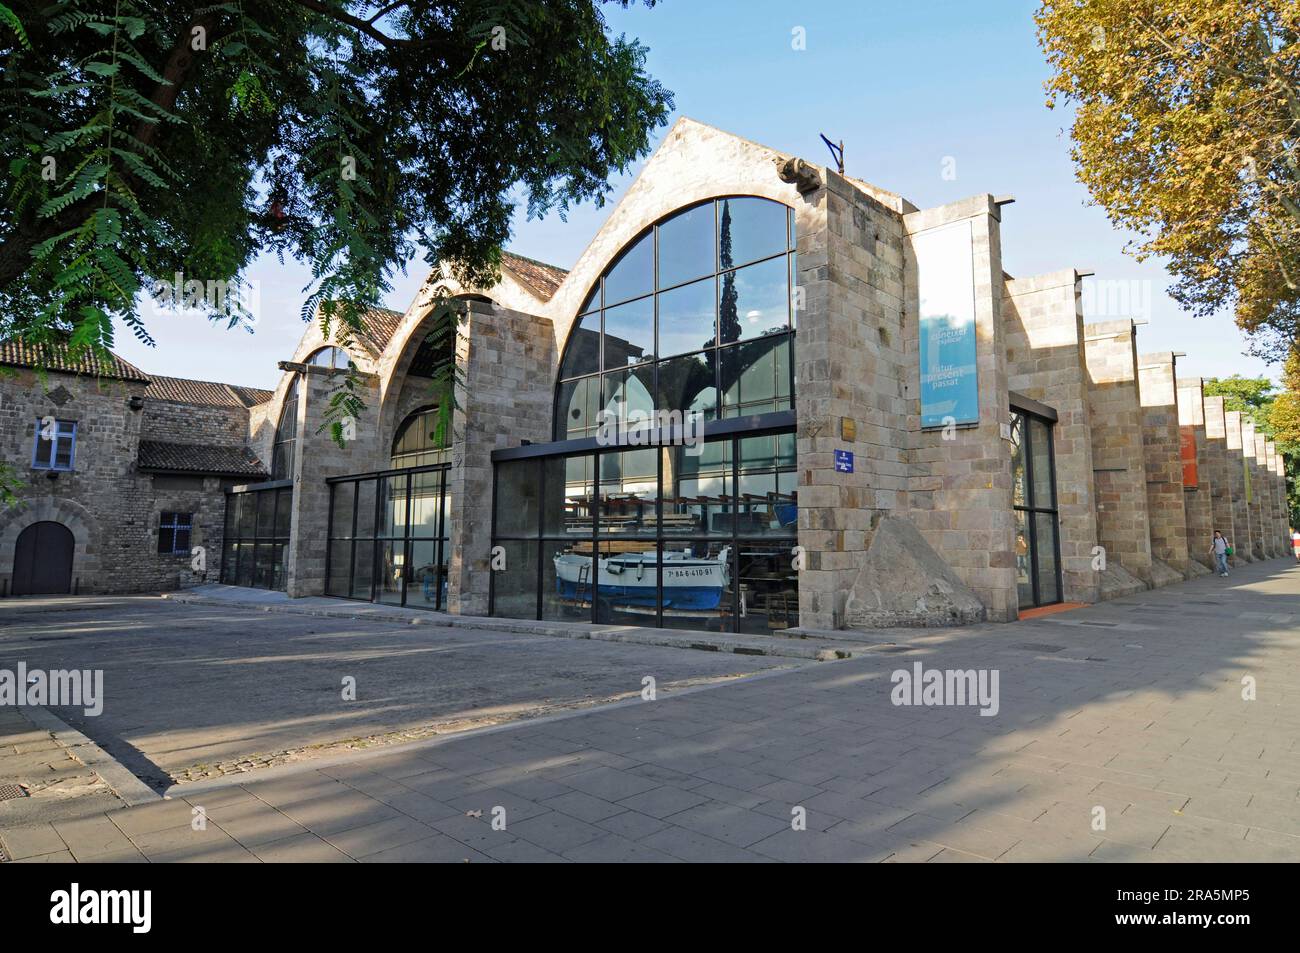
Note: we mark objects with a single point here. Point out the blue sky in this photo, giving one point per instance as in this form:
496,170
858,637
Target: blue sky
913,88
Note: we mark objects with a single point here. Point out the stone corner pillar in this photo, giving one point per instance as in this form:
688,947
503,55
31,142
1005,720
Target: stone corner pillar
1166,516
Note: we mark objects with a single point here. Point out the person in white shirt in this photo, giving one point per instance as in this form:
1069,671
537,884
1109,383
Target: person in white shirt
1220,550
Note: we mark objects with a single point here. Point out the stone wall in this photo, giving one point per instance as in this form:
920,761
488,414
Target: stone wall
177,422
1166,519
961,498
1255,499
1219,465
1198,500
316,458
505,397
850,392
1043,317
1243,530
1119,469
112,510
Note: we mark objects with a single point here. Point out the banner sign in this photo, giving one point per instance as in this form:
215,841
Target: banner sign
1245,469
945,278
1187,451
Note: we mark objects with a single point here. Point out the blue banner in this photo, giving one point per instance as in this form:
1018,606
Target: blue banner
945,278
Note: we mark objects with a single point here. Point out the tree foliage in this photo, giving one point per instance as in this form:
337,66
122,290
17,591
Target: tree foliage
1185,129
143,139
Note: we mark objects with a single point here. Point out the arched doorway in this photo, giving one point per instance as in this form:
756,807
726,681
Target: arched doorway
43,560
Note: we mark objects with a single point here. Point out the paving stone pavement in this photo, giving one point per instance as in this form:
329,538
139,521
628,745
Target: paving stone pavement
1134,707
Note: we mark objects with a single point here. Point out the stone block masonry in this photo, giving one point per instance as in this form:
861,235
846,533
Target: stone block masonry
1216,446
1043,316
1118,459
1166,516
1198,498
1243,530
962,479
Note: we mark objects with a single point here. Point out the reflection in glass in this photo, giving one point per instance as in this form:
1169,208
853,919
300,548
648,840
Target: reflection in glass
403,563
390,584
1024,578
628,394
517,483
686,248
578,405
756,377
629,482
629,333
724,276
633,275
760,303
1040,445
1018,496
687,384
514,589
750,229
768,587
687,318
1045,553
583,353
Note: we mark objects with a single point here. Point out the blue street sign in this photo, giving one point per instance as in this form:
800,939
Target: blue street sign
843,461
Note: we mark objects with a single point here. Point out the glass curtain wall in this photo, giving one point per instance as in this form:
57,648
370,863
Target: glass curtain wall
695,316
388,537
1033,470
654,535
256,537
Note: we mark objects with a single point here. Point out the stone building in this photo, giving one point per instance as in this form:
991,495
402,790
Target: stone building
767,395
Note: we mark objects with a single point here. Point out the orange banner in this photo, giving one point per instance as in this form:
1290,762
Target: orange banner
1187,450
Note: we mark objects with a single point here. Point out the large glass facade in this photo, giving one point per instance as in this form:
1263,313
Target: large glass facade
286,436
676,536
695,315
255,544
388,537
1033,472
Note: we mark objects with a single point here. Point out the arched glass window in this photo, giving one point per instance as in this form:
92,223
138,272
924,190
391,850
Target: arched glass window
332,357
286,436
695,315
415,444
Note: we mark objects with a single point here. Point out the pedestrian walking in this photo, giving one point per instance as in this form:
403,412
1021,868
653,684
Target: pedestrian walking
1221,549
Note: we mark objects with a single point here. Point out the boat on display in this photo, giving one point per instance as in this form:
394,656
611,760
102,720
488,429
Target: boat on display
691,583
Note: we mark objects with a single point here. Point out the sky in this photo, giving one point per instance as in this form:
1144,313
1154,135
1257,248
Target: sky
934,99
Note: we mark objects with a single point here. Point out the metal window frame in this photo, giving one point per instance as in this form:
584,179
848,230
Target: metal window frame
716,276
59,434
1032,509
539,540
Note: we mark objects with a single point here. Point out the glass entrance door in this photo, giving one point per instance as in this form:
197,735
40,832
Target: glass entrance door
1033,471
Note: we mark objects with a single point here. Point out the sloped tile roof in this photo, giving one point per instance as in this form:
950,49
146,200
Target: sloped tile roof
378,327
59,357
209,393
198,458
543,278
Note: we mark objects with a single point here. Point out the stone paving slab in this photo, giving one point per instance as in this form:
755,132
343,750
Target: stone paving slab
1158,735
195,692
812,645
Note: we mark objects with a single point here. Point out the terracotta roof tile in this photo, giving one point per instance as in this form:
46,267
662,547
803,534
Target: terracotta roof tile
158,455
208,393
59,357
380,324
543,278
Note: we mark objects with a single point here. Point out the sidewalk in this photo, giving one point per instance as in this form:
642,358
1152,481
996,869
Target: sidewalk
1133,707
789,643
